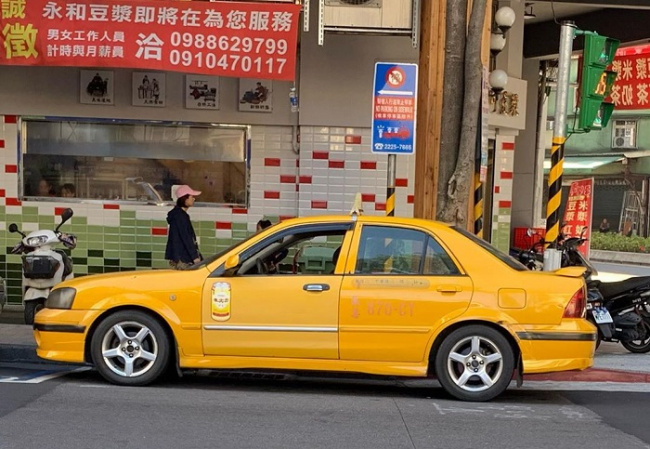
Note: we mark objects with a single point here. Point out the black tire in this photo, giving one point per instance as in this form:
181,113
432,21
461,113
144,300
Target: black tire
644,345
31,309
454,373
148,356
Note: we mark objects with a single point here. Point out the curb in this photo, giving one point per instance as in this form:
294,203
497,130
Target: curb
19,353
592,375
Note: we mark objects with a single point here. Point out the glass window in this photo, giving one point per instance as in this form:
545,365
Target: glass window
437,261
390,250
133,161
305,252
510,261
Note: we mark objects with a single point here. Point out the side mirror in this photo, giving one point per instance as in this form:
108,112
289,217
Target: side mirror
67,214
231,262
13,227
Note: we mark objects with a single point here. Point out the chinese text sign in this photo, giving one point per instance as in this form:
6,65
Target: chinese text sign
630,91
394,108
246,40
578,212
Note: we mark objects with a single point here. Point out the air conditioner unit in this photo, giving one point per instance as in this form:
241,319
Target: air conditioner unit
624,134
368,15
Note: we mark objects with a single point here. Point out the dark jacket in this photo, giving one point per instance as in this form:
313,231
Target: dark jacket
181,239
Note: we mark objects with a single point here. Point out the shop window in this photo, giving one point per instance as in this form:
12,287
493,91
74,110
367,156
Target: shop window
132,161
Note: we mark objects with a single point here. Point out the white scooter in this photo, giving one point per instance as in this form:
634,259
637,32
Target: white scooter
43,265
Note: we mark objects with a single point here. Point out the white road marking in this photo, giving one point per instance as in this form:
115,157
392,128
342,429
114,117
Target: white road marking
37,379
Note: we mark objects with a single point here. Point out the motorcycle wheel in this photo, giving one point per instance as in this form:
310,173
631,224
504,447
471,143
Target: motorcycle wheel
640,346
31,309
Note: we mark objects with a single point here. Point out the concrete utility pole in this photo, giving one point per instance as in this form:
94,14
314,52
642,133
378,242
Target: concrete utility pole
429,120
551,258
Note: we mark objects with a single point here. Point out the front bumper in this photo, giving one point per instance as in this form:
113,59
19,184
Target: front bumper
61,334
569,346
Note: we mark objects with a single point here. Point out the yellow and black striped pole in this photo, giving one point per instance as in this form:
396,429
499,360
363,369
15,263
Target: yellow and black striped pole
554,191
390,186
478,204
567,34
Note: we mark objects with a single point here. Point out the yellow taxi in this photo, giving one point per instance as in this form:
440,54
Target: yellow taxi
375,295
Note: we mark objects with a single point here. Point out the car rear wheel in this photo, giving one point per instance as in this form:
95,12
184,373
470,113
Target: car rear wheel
130,348
474,363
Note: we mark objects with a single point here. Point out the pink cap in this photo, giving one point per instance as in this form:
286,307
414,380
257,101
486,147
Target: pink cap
186,190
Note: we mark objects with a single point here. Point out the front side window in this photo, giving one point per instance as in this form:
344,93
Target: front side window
301,252
132,161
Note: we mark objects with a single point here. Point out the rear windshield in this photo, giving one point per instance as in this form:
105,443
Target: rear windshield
510,261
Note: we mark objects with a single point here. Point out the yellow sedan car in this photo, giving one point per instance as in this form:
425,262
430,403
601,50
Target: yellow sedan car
375,295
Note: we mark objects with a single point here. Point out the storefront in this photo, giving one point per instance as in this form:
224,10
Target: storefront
111,142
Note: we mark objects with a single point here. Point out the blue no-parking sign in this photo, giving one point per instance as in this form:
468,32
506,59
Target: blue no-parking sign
394,108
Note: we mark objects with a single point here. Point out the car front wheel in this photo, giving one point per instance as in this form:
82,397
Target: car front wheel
474,363
130,348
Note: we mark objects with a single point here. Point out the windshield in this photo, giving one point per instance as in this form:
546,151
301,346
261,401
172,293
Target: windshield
510,261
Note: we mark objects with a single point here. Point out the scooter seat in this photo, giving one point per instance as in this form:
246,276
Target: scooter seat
611,289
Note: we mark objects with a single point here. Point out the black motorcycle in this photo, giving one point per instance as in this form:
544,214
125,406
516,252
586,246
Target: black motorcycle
620,310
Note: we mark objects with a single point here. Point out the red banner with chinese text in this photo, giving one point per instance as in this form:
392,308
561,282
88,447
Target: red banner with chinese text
246,40
632,86
578,212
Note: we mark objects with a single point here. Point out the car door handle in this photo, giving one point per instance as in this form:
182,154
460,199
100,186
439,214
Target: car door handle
448,288
316,287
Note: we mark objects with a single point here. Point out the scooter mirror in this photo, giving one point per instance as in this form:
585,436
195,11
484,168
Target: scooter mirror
67,214
13,227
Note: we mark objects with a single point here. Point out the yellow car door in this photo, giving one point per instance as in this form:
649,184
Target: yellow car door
293,312
400,285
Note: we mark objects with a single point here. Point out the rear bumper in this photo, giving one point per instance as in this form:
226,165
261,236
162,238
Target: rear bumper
569,346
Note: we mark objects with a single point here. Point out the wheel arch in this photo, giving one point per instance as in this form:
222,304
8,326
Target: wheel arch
173,356
516,351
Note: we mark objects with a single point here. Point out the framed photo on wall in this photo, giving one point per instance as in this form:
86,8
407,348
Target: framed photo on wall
96,87
255,95
148,89
201,92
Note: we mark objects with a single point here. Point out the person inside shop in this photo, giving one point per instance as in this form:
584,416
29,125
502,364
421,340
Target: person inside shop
45,188
273,261
182,249
604,226
68,190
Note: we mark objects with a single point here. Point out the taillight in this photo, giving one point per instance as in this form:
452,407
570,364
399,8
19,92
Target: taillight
577,307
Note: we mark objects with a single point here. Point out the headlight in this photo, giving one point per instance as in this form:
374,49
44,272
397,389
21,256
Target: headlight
36,241
61,298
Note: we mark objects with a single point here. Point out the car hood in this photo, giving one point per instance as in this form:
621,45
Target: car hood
137,280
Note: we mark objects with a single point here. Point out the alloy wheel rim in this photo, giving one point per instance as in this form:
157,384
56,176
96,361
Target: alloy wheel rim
475,364
129,349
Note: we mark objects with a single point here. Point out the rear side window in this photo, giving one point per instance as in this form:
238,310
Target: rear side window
399,251
511,262
437,261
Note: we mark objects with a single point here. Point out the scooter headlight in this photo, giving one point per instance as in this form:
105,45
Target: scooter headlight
36,241
60,298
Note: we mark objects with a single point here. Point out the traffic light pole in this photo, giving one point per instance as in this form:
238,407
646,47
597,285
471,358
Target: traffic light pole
551,257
